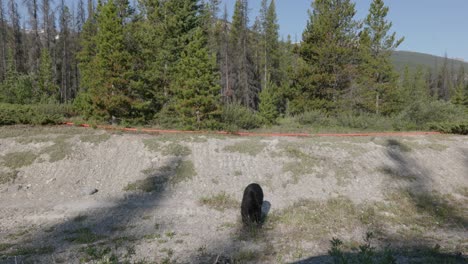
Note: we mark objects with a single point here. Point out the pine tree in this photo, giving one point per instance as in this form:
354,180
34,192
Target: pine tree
196,85
327,56
378,78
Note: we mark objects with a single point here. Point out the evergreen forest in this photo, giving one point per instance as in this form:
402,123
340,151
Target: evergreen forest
187,64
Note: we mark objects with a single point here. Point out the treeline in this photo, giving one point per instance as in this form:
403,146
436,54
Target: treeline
185,63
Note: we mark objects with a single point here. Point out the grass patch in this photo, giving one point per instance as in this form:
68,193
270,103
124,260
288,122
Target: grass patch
157,180
170,234
19,234
251,147
397,174
152,144
99,255
6,177
60,150
244,256
5,246
29,140
310,218
344,173
220,202
172,149
423,210
184,171
32,251
175,149
152,236
304,164
16,160
83,236
95,139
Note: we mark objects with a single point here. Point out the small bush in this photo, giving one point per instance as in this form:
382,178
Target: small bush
39,114
238,116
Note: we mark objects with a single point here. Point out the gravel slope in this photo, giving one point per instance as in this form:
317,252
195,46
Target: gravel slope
317,188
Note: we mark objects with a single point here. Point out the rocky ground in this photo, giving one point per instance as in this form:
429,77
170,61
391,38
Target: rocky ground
75,195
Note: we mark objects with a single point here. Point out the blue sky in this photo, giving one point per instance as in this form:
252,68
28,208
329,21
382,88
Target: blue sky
429,26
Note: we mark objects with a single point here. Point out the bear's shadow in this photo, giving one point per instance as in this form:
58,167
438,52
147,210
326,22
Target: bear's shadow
266,206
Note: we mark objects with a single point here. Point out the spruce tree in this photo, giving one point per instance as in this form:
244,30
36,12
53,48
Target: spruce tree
163,39
268,107
108,91
377,75
327,55
196,85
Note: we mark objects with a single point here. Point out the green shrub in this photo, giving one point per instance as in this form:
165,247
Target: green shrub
420,115
313,117
238,116
364,121
40,114
451,127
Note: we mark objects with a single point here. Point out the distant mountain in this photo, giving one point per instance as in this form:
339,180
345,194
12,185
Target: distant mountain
416,59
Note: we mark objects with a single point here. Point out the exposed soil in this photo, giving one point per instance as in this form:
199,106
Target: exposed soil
75,195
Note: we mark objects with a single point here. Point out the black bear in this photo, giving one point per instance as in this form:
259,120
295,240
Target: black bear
251,207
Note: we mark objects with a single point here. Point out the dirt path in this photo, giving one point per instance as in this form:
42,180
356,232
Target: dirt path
175,198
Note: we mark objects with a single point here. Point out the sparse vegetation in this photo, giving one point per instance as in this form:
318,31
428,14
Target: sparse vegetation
60,150
303,163
184,171
252,147
152,144
175,149
172,148
23,251
16,160
83,236
6,177
220,202
95,139
80,218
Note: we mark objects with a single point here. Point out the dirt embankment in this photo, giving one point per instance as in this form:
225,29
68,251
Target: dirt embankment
70,195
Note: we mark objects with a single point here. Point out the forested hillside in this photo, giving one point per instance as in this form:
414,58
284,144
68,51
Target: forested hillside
187,64
415,59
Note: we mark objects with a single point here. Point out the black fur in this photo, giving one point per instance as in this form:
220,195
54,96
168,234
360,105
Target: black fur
251,207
